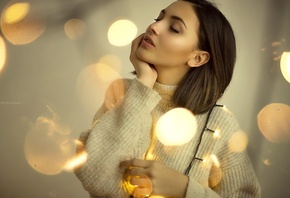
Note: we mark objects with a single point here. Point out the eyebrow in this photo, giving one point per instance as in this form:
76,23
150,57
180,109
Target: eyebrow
175,18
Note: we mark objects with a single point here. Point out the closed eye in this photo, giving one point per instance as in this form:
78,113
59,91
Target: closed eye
174,30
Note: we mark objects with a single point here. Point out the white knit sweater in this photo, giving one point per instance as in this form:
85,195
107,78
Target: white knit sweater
123,129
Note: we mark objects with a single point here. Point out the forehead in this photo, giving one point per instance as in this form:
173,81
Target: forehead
184,10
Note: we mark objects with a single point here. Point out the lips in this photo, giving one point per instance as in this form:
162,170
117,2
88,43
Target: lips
148,40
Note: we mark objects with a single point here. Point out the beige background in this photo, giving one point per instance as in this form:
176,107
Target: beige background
49,71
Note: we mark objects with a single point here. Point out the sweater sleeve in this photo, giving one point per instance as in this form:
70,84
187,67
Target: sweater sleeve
121,130
234,175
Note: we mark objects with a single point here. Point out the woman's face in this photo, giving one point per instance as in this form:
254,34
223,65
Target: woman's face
170,41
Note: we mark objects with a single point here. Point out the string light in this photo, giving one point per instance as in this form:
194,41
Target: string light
200,159
214,132
205,128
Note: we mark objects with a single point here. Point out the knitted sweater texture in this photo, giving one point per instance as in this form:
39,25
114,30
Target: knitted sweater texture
123,129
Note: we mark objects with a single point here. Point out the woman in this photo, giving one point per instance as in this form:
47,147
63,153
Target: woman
184,59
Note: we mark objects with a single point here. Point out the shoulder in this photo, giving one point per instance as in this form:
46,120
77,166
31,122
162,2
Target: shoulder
221,113
224,121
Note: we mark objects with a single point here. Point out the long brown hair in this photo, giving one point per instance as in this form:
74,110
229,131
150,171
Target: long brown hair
202,86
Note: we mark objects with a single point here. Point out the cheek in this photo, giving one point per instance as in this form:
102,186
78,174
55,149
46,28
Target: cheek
179,49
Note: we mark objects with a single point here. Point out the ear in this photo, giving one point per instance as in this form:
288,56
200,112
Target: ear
198,58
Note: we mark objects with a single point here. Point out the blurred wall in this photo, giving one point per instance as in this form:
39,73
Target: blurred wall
49,86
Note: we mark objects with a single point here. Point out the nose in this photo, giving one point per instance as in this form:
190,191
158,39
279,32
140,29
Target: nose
154,28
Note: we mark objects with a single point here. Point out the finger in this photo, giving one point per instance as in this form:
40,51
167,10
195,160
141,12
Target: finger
137,42
135,163
136,171
139,38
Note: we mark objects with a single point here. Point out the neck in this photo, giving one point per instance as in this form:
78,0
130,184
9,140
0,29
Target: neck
171,76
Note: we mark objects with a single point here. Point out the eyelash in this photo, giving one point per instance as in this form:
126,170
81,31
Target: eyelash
171,28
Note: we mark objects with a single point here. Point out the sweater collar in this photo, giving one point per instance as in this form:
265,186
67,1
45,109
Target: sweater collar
165,91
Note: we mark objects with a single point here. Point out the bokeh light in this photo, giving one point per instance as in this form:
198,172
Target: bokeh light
92,83
20,25
106,73
48,145
285,65
138,186
143,187
2,53
216,173
78,160
267,162
75,29
113,61
176,127
122,32
16,12
215,160
238,142
274,122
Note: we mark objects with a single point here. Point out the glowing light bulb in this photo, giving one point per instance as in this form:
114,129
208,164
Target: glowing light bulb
176,127
216,133
225,108
285,65
122,32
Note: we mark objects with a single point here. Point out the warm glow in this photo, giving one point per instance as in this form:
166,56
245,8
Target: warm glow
267,162
21,24
143,187
215,175
238,142
90,88
216,133
75,29
92,83
122,32
285,65
225,108
274,122
106,73
2,53
48,146
16,12
114,61
138,186
176,127
215,160
76,161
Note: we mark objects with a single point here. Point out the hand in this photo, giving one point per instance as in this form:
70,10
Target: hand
165,181
146,73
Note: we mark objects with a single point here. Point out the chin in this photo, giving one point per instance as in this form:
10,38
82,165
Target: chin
142,55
